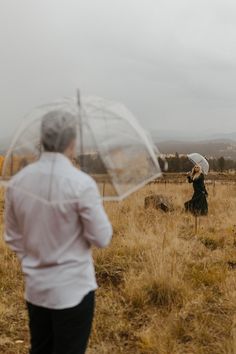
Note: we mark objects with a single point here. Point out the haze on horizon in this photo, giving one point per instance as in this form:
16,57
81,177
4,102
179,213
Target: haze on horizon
173,63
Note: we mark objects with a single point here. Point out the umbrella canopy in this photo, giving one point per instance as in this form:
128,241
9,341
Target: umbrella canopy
111,145
198,159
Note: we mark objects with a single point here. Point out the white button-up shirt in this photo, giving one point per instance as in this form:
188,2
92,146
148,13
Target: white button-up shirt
52,233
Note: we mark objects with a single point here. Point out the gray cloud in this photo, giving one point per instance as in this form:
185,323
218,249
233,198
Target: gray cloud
173,63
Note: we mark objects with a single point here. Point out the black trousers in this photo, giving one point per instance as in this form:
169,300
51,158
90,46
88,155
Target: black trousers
64,331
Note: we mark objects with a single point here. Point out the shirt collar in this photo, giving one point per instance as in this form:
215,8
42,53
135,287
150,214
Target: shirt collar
55,157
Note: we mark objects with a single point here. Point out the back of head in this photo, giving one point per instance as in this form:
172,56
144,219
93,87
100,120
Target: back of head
58,130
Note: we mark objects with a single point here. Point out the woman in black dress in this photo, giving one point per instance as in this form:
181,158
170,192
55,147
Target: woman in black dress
198,204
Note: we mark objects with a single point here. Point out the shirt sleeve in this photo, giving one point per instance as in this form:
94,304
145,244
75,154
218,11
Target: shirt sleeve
12,234
97,229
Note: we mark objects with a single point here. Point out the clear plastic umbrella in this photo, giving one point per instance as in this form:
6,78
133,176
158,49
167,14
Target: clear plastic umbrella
198,159
111,145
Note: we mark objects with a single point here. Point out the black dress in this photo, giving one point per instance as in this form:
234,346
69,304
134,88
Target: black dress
198,204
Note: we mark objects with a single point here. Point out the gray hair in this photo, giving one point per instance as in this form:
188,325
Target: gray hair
58,130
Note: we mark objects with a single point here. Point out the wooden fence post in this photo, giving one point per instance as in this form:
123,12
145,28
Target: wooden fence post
214,188
103,190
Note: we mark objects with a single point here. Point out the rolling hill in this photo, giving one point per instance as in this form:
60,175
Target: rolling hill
210,148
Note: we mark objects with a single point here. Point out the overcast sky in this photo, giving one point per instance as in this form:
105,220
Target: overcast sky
172,62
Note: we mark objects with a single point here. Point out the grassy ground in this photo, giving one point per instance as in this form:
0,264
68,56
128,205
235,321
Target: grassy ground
163,289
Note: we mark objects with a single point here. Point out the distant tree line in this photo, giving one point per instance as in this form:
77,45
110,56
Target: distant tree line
178,163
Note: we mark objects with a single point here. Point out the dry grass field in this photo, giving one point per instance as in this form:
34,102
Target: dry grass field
163,288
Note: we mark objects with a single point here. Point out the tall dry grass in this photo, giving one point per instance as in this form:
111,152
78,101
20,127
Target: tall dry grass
163,289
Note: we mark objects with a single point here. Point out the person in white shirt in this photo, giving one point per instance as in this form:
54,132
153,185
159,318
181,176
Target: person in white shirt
54,215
